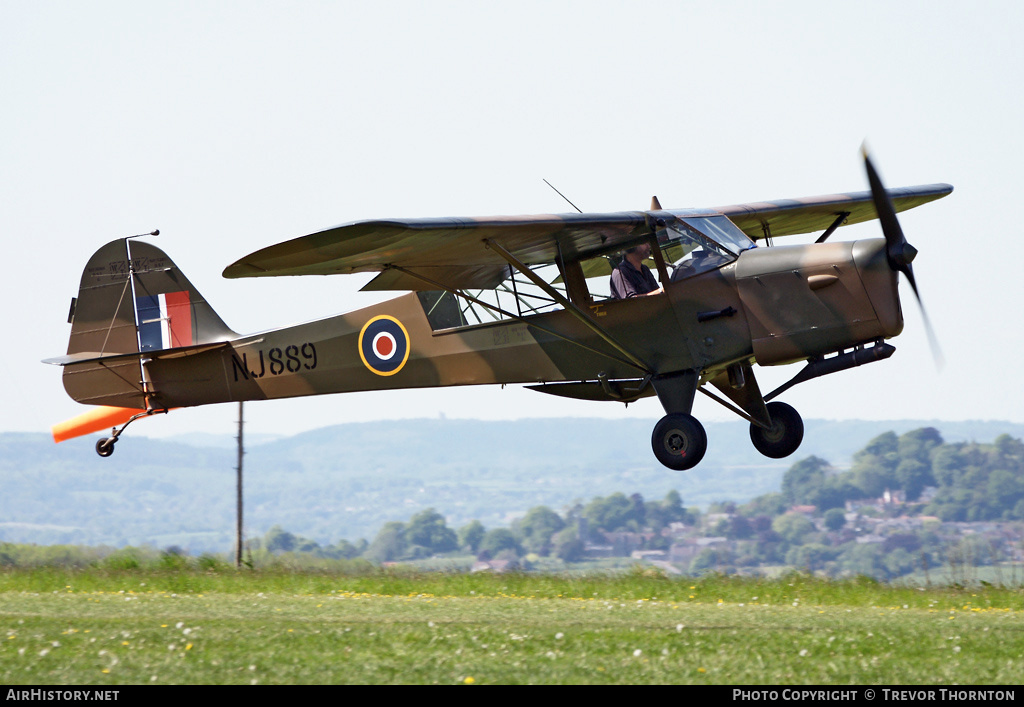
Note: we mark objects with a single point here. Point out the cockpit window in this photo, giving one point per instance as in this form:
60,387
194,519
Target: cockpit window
695,245
723,231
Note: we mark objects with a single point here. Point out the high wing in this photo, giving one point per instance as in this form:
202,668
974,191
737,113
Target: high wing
450,251
789,217
453,252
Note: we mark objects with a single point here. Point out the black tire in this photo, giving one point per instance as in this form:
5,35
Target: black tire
785,434
105,446
679,441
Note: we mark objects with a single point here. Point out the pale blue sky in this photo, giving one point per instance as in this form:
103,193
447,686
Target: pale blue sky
234,125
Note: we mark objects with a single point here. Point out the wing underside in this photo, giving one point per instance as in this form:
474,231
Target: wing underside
790,217
450,251
456,253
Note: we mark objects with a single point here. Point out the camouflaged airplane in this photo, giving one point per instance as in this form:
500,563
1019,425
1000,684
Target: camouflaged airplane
520,299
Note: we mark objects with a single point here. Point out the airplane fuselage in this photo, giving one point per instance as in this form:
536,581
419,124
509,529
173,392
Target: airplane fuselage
771,306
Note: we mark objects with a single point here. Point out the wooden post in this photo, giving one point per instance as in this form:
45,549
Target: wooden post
238,528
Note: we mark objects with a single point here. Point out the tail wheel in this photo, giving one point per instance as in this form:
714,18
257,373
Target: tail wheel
105,446
679,441
783,437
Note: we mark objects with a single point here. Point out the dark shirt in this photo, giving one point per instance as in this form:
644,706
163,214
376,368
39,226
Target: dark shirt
627,281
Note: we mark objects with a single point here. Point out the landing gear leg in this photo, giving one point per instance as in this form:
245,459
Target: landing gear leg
783,437
679,441
105,446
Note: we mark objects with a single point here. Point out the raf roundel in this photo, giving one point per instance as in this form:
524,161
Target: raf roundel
384,345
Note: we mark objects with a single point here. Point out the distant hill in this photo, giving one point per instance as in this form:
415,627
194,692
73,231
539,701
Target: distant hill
345,481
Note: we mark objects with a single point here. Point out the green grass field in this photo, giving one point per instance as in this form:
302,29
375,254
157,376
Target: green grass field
100,627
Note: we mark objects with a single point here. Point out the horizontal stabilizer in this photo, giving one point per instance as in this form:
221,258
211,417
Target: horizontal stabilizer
95,356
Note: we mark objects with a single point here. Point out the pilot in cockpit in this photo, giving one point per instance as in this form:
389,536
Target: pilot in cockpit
631,278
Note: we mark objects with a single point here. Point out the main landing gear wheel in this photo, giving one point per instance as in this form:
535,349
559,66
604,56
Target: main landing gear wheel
105,446
679,441
785,434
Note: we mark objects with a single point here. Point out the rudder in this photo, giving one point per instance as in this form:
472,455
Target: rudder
132,299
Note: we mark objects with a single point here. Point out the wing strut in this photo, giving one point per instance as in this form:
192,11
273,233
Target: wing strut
510,315
569,306
840,219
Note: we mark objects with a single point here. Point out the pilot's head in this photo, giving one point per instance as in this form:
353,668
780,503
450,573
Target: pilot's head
643,250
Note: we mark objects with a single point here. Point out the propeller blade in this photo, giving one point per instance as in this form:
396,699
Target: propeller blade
933,342
898,251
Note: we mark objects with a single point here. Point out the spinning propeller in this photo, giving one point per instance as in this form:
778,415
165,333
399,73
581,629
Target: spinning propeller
898,251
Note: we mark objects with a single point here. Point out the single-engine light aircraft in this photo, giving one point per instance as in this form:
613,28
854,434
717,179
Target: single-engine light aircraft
520,299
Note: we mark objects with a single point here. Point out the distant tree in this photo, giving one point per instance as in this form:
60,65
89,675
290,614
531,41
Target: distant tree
769,547
898,562
951,504
948,465
471,534
918,445
534,530
979,481
498,540
661,514
863,559
342,549
173,558
792,527
769,505
902,541
306,545
672,504
811,556
913,475
429,529
718,528
610,514
834,519
1018,510
1009,449
874,467
658,542
739,528
638,511
804,480
567,545
711,559
1003,491
834,493
279,540
722,507
884,445
389,545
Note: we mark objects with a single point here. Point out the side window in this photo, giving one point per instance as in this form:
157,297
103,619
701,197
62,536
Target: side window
514,298
442,309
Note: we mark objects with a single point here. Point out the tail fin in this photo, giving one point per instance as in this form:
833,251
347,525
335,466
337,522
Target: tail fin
132,300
